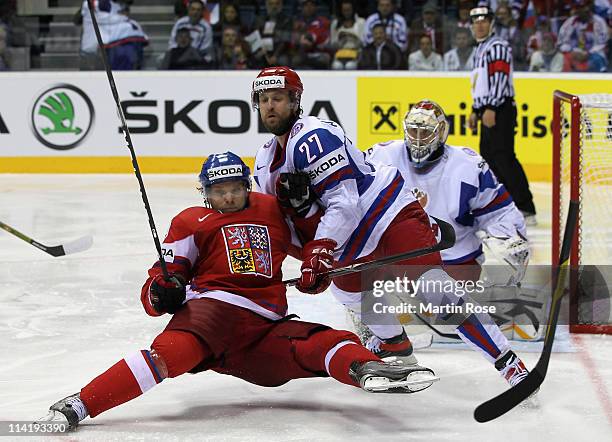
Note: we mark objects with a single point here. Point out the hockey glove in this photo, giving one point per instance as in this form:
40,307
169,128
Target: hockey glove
318,259
293,193
514,251
167,296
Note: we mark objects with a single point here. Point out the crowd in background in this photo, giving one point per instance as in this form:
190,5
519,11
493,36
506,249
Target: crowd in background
545,35
415,35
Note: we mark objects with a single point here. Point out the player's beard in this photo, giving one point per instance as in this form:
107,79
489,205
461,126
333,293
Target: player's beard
282,127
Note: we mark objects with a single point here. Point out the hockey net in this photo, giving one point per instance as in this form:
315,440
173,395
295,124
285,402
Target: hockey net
582,170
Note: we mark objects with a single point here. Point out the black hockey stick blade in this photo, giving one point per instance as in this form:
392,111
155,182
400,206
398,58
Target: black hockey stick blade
447,240
501,404
77,245
436,331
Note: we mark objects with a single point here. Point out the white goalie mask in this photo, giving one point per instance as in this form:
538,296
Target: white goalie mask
425,132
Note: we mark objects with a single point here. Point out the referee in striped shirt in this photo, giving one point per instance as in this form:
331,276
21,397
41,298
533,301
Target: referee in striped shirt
493,104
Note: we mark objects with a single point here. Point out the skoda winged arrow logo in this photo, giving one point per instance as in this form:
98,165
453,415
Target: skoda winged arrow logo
62,117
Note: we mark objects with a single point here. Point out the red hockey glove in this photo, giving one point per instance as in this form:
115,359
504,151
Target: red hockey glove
167,296
293,193
318,258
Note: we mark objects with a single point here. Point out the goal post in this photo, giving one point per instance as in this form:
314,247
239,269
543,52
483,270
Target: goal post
582,171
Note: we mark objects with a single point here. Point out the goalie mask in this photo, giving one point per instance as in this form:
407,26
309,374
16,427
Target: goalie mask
221,168
425,132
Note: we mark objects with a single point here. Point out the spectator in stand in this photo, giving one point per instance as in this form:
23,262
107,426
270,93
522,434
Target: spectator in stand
460,58
430,23
183,56
425,59
506,28
463,14
199,29
125,44
311,39
108,16
4,65
534,40
230,16
505,25
394,24
583,39
275,29
234,52
346,36
514,5
382,53
547,59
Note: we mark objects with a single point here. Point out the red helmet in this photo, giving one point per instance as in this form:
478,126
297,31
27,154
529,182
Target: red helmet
277,77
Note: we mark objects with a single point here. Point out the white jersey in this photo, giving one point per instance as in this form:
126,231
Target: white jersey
107,15
461,190
359,201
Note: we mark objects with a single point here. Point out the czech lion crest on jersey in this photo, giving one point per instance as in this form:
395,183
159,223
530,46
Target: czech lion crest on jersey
248,249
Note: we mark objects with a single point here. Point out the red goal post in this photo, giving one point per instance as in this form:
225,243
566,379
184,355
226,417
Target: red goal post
582,171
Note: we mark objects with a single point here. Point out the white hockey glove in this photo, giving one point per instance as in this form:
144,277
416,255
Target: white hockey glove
514,251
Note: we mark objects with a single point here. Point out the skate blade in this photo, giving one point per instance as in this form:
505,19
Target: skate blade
54,416
415,381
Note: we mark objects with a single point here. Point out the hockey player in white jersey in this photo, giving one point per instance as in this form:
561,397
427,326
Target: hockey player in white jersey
365,211
368,212
456,185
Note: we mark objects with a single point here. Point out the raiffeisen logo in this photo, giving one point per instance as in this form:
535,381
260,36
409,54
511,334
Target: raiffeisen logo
62,117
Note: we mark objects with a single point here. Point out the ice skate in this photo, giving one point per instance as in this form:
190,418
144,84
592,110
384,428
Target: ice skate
394,350
69,410
511,368
383,377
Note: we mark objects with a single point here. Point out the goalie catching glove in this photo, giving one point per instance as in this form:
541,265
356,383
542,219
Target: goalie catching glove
167,296
318,259
293,193
515,251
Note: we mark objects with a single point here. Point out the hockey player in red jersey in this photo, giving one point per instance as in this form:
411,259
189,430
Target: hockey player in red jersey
229,308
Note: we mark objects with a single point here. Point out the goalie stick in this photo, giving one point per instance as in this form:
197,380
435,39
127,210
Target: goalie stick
77,245
128,139
501,404
447,240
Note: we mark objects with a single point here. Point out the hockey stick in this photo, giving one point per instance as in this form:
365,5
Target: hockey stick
436,331
447,240
501,404
128,139
77,245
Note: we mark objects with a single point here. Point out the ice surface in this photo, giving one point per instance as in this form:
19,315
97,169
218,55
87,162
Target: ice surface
65,320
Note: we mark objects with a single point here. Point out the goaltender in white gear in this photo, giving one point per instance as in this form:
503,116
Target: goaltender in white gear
456,185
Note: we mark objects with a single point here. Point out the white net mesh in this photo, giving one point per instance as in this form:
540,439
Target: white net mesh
595,190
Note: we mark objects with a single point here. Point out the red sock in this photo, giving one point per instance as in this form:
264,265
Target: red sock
132,376
124,381
339,359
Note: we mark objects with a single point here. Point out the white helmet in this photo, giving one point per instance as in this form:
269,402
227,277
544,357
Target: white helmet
479,14
425,131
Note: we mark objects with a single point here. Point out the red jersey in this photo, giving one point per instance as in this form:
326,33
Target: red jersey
233,257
